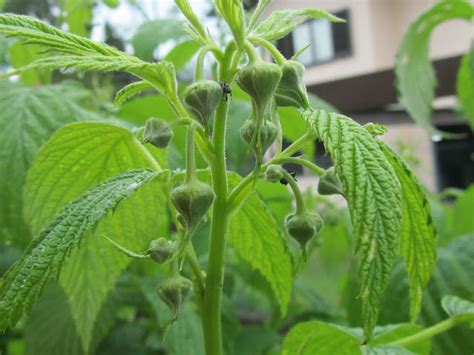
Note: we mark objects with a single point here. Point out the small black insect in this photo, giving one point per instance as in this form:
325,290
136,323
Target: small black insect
285,182
226,90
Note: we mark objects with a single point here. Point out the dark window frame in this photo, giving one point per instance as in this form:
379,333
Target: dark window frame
286,44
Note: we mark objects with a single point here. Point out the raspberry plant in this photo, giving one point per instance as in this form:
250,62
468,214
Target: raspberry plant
389,211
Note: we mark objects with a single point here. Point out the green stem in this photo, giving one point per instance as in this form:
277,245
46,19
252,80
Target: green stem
427,333
211,312
296,145
300,207
193,262
279,58
199,72
235,198
190,158
300,161
251,52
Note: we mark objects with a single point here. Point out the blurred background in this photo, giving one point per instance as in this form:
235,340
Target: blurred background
350,69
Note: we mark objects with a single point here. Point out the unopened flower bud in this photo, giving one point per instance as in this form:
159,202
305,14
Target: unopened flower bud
161,249
157,132
202,98
329,183
291,90
192,200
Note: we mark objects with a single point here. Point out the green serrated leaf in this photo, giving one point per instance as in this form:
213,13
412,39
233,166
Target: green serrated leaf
415,78
77,157
257,239
261,6
28,116
46,254
52,313
458,308
373,193
465,86
130,91
51,316
318,338
418,234
280,23
293,127
81,53
453,275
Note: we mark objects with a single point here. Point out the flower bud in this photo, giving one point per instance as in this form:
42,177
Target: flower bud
202,98
260,80
174,291
274,173
192,201
157,132
329,183
268,134
291,90
161,249
303,227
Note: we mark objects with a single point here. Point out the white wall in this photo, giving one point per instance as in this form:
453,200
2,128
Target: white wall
377,28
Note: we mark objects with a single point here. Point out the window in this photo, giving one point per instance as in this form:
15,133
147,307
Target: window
328,41
455,158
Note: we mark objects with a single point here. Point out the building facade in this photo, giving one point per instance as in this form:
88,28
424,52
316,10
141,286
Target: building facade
351,66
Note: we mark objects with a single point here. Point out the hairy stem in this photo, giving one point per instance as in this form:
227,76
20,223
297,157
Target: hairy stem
300,207
211,310
300,161
235,196
190,159
279,58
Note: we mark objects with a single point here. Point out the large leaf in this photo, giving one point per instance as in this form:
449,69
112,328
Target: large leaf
465,86
257,239
373,193
182,53
20,55
27,119
152,33
78,16
418,241
46,254
453,276
458,308
280,23
51,316
318,338
76,158
415,78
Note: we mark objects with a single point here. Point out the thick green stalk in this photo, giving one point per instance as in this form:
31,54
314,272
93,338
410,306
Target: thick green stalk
211,310
427,333
190,159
